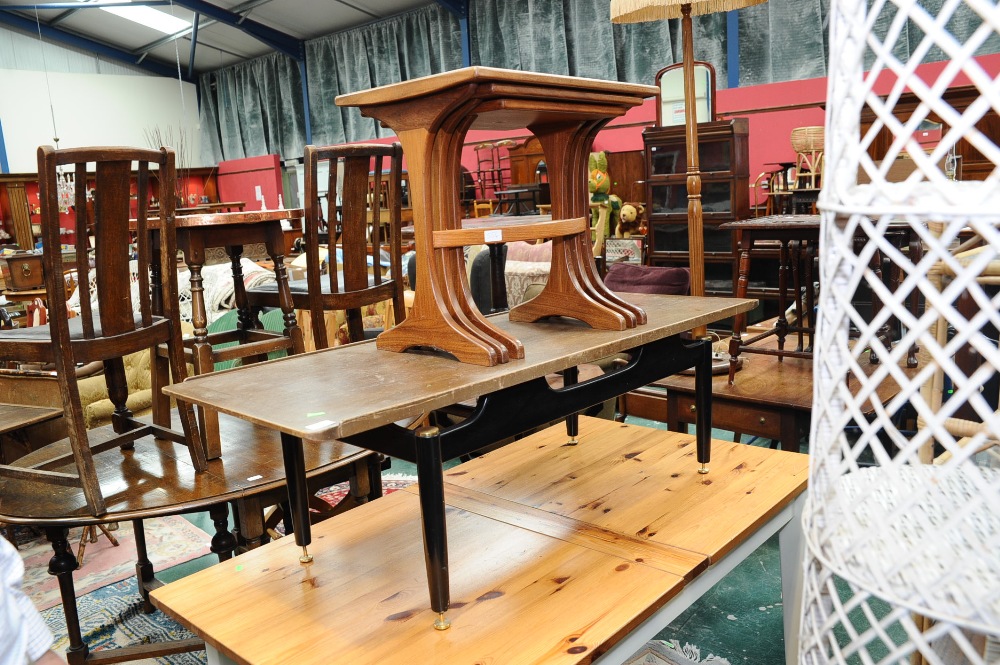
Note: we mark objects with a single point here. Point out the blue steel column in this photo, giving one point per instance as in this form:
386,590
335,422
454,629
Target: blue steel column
305,100
733,48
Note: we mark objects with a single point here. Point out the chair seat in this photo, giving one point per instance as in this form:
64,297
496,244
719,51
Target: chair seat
302,286
34,343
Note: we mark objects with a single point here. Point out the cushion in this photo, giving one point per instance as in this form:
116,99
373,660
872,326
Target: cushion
526,251
632,278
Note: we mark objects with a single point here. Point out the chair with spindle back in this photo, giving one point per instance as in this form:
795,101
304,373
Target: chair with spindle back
123,320
348,284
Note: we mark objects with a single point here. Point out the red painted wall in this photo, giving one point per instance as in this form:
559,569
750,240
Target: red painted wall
238,179
769,131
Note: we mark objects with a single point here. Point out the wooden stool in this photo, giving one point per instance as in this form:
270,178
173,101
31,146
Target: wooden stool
808,145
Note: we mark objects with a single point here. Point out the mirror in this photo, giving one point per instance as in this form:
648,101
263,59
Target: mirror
670,106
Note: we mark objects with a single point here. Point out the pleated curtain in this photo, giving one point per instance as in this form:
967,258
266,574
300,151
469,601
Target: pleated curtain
256,107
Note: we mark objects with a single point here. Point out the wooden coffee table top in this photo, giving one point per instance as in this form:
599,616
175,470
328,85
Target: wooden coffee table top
318,395
545,566
641,482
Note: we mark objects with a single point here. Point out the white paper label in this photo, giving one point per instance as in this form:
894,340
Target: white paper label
493,235
322,424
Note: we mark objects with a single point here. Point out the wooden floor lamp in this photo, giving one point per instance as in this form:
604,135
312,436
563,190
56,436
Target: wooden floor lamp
638,11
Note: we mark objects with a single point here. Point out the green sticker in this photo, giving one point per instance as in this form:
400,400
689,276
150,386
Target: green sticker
239,568
315,413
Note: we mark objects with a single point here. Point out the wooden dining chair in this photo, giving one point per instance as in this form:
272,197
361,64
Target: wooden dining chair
122,320
350,283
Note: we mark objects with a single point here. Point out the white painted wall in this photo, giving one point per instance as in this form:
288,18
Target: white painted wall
93,109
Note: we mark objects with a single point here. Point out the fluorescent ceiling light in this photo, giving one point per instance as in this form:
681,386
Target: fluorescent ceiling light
150,17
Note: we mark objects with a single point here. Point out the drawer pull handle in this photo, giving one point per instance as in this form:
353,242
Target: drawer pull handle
693,408
26,269
762,420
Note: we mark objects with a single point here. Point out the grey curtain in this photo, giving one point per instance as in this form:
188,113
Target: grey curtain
783,40
419,43
577,38
254,108
962,24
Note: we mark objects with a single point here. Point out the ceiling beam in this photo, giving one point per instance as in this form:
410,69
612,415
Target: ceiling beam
279,41
57,35
74,7
203,23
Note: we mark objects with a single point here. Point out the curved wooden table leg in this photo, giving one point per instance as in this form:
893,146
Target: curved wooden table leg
598,290
563,295
510,345
433,321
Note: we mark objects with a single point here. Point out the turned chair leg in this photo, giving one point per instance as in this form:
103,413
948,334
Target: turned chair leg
62,564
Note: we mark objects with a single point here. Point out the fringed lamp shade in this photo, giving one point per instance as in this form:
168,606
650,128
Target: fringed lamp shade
637,11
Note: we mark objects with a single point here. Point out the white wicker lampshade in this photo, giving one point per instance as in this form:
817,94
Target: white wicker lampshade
902,525
637,11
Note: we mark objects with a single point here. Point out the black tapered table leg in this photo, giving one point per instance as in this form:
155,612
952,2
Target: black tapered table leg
703,404
498,285
430,476
571,375
298,497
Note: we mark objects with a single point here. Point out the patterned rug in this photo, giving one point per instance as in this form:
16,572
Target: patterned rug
663,652
169,540
112,617
390,483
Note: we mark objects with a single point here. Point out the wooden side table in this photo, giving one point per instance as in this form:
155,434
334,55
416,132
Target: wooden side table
231,230
798,241
772,400
431,116
14,419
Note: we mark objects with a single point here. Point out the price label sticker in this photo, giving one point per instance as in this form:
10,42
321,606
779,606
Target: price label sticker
493,235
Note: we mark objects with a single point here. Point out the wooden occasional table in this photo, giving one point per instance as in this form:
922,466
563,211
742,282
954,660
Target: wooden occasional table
771,399
562,555
431,116
333,396
14,418
798,240
231,230
516,201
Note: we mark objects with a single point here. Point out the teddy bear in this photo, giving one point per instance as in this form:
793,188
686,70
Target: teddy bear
629,220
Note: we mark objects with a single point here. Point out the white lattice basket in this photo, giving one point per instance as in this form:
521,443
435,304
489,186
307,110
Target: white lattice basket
902,525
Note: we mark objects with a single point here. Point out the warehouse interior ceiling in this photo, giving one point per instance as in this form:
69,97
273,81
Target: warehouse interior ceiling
198,36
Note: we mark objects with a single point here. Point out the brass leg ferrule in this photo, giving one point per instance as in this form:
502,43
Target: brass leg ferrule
442,623
306,557
704,469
